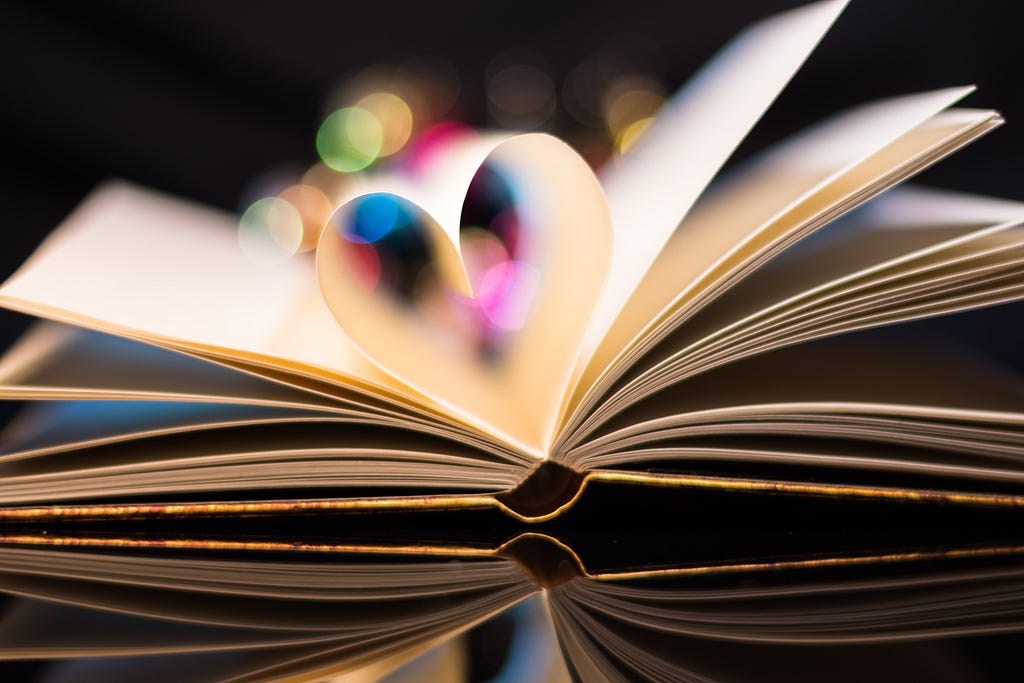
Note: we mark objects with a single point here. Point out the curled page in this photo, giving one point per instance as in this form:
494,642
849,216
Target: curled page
139,265
498,347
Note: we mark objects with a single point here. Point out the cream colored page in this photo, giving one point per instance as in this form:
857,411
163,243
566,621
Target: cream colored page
722,226
136,262
905,225
812,281
875,386
60,362
780,283
516,393
57,361
656,182
874,373
66,426
777,309
913,286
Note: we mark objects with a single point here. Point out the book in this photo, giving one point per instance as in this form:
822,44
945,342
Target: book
652,325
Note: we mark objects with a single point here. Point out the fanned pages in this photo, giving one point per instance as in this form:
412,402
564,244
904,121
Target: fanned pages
499,325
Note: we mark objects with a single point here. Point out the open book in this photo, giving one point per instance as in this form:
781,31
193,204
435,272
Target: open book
653,325
158,608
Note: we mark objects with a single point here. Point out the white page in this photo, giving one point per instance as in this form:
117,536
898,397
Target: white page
658,180
136,264
717,234
133,260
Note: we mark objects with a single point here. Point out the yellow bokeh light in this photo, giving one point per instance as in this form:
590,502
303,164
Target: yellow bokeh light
337,187
630,107
395,119
521,96
313,207
632,133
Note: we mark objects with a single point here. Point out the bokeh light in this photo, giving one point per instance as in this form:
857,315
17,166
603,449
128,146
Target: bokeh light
337,187
506,293
269,183
314,209
350,139
628,137
494,249
387,248
434,141
385,243
375,216
481,251
429,84
584,89
521,93
394,116
630,105
270,231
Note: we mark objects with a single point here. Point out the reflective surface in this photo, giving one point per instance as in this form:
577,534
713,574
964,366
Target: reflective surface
722,587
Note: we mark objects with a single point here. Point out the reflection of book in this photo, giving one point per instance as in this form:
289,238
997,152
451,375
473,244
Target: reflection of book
169,609
709,359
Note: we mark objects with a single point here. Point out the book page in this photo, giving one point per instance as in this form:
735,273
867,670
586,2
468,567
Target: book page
875,366
807,608
56,361
278,455
518,386
53,361
67,425
788,192
134,259
723,223
143,266
656,182
846,282
875,384
960,276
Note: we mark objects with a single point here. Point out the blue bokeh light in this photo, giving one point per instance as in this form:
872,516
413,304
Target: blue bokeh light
377,215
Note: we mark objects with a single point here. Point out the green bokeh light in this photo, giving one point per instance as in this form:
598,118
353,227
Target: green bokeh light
349,139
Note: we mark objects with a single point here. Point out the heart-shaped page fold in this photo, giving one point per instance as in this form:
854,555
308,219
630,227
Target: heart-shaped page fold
474,287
